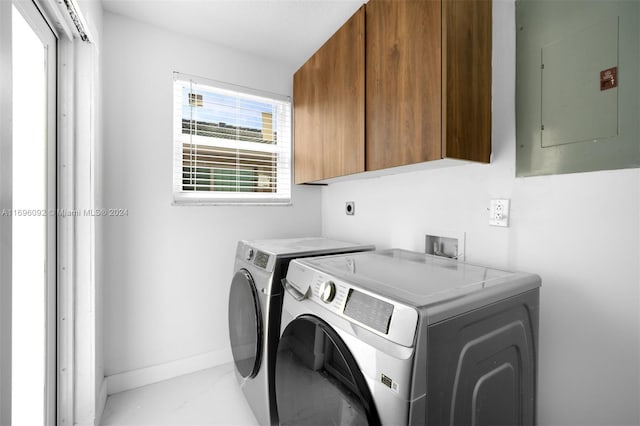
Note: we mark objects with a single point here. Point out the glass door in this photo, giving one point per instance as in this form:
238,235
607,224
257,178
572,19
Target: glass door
318,381
33,215
245,324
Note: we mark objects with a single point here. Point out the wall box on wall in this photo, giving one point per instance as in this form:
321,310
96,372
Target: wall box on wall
445,243
577,86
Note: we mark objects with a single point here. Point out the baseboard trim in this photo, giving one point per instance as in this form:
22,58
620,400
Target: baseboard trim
102,401
145,376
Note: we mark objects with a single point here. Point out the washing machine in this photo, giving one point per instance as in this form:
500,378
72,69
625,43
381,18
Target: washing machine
395,337
255,302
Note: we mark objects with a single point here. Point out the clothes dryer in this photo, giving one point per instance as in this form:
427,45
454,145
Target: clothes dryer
255,302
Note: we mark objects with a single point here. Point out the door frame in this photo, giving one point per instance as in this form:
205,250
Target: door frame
48,37
80,399
6,185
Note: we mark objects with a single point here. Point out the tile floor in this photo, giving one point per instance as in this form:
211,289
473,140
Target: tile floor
207,397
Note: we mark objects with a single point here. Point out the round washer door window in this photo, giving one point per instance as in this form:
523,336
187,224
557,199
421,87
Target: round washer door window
318,381
245,324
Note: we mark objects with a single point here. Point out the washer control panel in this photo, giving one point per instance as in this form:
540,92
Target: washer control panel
380,315
368,310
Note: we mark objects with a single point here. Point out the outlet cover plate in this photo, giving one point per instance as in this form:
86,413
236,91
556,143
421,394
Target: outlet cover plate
499,213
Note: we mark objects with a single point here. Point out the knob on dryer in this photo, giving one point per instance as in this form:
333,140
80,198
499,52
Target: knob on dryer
327,291
249,254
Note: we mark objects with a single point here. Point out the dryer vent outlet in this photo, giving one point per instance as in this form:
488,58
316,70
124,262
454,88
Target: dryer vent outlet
350,208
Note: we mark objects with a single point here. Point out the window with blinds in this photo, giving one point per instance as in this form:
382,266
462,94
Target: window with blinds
232,145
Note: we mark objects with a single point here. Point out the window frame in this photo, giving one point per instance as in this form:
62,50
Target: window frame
284,148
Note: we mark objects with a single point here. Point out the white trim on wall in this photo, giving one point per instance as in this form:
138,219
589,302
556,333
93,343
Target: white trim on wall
157,373
102,401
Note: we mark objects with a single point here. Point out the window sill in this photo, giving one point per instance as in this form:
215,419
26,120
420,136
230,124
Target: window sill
197,200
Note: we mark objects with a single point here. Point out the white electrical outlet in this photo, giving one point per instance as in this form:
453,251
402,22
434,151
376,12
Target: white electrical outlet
499,213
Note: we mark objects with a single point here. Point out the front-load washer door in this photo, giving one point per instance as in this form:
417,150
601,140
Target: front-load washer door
245,324
318,381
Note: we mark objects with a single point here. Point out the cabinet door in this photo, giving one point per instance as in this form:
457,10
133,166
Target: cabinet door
307,121
466,85
328,100
403,83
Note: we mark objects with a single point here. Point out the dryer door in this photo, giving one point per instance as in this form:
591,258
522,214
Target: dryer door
245,324
318,381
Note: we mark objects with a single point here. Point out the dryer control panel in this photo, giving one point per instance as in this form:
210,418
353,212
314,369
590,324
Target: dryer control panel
253,256
261,260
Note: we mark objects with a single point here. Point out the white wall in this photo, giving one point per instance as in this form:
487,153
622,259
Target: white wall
580,232
166,269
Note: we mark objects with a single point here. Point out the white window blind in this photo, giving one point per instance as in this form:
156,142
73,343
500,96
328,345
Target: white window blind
232,145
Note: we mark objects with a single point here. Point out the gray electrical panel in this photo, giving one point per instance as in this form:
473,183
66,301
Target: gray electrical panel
577,86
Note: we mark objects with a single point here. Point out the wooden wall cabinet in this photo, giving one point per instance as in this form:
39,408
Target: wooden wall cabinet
428,73
427,90
328,103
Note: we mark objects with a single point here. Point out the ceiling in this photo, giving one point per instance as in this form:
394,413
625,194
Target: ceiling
288,31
